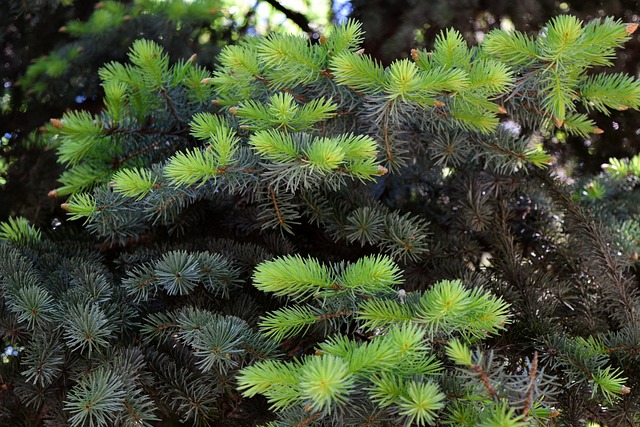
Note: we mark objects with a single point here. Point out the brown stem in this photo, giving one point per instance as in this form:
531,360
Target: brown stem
147,281
289,91
275,205
132,412
306,421
485,380
117,130
163,327
532,381
118,162
334,315
627,349
385,132
504,151
174,113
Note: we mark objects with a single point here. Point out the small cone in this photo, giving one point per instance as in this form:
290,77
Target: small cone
57,123
382,170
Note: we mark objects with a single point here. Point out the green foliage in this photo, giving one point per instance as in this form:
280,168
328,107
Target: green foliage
554,69
18,230
282,112
276,142
398,365
84,332
108,20
97,400
357,244
446,308
613,195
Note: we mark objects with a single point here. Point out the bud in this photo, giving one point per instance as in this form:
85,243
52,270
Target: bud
382,170
99,5
205,80
192,58
598,131
558,122
631,28
623,108
437,103
624,389
634,257
126,18
53,193
65,206
233,110
62,29
56,123
414,54
502,110
359,52
323,40
216,102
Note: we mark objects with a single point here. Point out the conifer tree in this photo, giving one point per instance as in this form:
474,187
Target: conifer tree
356,243
52,50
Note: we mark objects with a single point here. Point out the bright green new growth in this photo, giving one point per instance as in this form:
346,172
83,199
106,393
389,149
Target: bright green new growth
399,367
554,68
388,368
18,230
277,132
190,170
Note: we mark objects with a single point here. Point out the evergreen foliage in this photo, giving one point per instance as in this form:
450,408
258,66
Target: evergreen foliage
255,224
